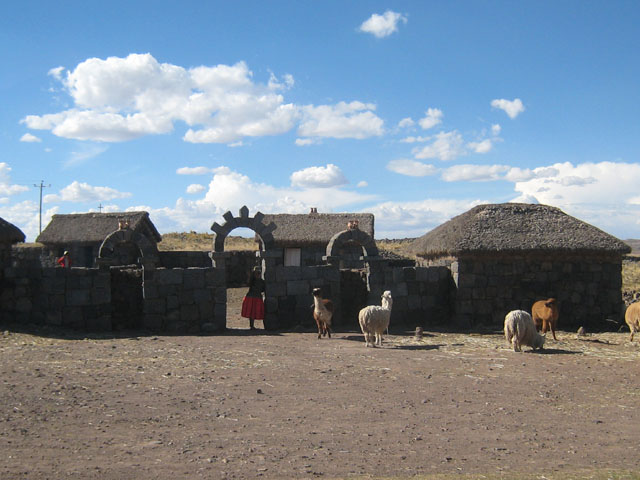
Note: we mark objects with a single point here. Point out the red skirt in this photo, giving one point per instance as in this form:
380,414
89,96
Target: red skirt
253,307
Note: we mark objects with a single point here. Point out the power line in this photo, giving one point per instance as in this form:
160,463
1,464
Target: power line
41,186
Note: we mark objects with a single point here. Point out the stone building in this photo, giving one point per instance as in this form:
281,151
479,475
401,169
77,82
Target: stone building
303,238
82,234
506,256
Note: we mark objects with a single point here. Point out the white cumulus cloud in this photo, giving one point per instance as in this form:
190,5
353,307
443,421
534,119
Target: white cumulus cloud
81,192
318,177
433,117
8,189
513,108
343,120
484,146
406,123
411,168
474,173
29,138
119,99
446,146
383,25
195,170
195,188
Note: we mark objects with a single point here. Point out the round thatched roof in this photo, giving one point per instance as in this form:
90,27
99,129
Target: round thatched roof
515,227
94,227
304,230
9,233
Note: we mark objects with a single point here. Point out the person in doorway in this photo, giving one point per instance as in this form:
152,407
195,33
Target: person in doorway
65,260
252,303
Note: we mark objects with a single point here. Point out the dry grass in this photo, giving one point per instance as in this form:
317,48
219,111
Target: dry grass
630,276
193,241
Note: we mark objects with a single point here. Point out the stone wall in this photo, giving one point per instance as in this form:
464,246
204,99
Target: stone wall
190,300
587,288
76,298
238,263
421,295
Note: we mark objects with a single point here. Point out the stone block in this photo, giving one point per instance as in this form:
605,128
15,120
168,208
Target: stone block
276,289
413,302
330,274
169,277
205,310
77,282
78,298
150,291
54,285
399,290
101,323
100,295
220,295
152,322
220,311
271,322
214,276
409,274
309,273
422,274
72,317
189,313
298,287
186,297
193,278
21,291
155,306
172,302
102,280
271,305
202,295
23,305
54,318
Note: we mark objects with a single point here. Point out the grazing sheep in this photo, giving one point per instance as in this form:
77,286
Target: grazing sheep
632,317
545,315
322,313
520,330
374,320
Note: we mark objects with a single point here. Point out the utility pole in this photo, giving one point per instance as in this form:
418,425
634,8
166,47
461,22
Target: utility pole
41,186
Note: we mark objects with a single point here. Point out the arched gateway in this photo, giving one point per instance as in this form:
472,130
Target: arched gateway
254,223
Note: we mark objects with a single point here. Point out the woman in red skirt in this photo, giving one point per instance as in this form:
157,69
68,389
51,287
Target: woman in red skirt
252,303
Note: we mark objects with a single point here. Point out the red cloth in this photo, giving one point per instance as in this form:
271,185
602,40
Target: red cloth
253,307
64,261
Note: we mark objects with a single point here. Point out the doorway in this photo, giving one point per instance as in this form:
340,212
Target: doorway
126,298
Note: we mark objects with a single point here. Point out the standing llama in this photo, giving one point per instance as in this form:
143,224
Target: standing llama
322,313
374,320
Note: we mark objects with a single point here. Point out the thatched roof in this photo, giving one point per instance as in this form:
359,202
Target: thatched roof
9,233
94,227
314,229
514,227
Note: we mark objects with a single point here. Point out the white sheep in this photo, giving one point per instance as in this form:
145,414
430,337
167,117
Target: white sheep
374,320
520,330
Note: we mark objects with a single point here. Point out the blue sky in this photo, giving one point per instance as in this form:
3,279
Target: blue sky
415,111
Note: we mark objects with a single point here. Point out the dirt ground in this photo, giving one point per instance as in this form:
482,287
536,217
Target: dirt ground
287,405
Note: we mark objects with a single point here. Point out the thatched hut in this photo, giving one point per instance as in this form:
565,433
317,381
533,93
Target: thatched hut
9,234
506,256
304,237
83,233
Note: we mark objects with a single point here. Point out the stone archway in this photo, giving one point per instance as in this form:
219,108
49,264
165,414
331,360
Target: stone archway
128,255
127,236
254,223
221,259
353,236
354,272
